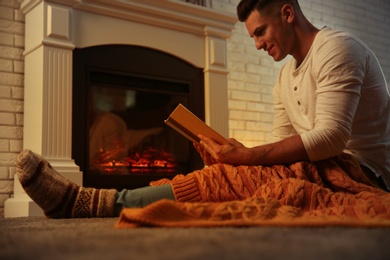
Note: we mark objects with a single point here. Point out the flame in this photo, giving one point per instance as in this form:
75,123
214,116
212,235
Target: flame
148,160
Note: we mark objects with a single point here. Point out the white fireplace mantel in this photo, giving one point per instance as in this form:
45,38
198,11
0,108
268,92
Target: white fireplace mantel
54,28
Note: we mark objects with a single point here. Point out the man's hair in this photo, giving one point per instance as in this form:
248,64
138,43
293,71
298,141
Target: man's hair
268,7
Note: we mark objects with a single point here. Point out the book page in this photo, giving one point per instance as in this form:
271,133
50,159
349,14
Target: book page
190,126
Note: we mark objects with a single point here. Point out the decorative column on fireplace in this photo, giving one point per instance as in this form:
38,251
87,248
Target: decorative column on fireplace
54,28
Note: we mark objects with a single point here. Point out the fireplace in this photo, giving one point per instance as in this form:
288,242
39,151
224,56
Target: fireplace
121,96
57,28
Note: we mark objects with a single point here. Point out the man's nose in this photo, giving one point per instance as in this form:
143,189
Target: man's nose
259,44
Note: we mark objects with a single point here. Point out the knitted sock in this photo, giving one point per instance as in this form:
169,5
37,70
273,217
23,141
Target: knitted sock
57,196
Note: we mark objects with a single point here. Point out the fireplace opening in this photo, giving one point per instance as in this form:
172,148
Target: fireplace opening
121,96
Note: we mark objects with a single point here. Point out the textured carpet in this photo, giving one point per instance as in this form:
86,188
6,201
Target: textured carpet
42,238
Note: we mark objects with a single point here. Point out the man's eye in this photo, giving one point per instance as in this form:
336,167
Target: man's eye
259,33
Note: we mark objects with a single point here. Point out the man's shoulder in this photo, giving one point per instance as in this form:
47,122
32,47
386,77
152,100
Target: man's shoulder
331,42
334,37
327,34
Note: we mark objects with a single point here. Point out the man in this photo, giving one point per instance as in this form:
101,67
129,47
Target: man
331,99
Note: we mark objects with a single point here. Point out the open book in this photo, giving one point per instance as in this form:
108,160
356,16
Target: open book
190,126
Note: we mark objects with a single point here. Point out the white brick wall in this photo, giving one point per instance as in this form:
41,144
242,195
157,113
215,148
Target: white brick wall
252,72
11,93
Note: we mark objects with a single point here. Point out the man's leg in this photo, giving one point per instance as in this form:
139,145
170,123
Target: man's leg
141,197
60,198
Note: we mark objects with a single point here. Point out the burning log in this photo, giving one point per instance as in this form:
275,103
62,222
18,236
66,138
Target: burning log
147,160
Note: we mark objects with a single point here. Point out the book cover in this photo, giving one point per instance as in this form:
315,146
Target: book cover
189,125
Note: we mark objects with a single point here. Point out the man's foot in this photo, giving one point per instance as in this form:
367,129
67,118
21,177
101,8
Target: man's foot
57,196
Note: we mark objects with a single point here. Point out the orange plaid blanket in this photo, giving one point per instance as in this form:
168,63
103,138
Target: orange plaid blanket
331,192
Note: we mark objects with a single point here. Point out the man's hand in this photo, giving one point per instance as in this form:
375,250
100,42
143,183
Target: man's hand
289,150
211,152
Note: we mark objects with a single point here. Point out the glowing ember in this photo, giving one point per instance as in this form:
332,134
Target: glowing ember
149,160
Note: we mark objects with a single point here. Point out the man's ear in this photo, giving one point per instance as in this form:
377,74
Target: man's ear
288,13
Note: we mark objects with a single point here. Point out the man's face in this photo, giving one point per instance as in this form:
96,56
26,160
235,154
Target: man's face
270,34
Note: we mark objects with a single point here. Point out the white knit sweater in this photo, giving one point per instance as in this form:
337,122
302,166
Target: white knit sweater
336,100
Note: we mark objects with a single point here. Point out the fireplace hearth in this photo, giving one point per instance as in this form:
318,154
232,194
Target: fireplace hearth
56,28
121,96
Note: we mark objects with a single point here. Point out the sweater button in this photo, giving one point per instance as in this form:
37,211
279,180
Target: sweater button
295,88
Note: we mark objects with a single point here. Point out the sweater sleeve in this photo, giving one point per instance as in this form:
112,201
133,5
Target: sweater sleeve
339,72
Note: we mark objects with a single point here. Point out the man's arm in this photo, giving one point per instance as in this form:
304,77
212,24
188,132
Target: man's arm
286,151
